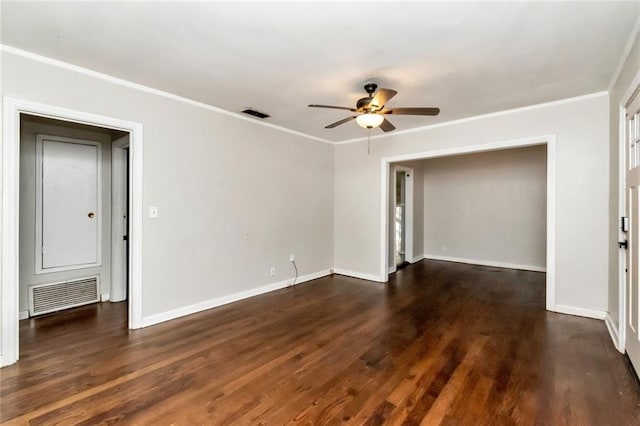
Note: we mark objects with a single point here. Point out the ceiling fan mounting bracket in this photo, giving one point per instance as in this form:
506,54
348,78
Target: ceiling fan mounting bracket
370,88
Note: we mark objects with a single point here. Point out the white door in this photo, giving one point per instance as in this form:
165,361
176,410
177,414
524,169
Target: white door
632,344
119,219
69,213
399,218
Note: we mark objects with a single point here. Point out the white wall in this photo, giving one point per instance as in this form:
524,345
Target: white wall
629,71
582,167
234,197
28,131
487,207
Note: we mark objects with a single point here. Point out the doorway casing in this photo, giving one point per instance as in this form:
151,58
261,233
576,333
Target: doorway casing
548,140
10,148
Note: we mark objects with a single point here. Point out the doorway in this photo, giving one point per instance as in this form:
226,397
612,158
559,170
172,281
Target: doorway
13,112
66,218
402,212
387,170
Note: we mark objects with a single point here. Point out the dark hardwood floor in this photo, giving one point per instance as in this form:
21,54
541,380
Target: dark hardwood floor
442,343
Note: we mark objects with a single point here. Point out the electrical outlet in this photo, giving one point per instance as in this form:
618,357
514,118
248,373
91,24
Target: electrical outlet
292,257
273,271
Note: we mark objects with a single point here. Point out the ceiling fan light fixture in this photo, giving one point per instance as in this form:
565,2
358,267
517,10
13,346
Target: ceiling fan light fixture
369,121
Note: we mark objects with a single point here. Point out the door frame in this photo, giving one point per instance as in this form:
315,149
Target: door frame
548,140
118,200
408,212
619,336
10,148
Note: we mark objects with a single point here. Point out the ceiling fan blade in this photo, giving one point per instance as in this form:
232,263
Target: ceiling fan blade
412,111
386,126
337,123
332,107
381,98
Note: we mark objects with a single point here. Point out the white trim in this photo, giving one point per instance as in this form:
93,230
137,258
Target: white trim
625,54
10,237
40,139
23,315
622,211
477,117
551,223
209,304
507,265
613,332
359,275
548,140
10,201
392,269
105,297
417,258
580,312
147,89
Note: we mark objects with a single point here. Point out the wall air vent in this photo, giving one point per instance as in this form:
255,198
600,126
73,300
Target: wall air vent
44,298
254,113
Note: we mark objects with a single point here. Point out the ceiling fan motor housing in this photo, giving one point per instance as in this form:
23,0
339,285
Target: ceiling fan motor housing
363,103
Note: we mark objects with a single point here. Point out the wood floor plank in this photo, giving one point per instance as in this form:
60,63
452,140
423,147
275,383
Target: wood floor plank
441,343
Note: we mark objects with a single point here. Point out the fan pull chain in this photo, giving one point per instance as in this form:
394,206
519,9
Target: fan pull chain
369,141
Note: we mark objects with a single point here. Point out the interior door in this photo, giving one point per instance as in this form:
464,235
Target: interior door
120,219
632,343
400,218
69,203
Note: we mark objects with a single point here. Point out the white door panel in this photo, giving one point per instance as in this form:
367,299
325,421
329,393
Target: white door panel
70,203
632,343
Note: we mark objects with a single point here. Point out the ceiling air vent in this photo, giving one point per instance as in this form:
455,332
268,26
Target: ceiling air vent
254,113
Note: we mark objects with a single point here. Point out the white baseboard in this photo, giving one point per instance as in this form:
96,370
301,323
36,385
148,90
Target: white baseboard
105,297
392,269
613,332
486,263
208,304
417,258
23,315
359,275
580,312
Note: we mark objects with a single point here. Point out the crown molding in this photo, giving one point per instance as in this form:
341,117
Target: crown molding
625,54
479,117
136,86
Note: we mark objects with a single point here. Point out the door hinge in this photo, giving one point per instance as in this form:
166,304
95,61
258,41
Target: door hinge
623,244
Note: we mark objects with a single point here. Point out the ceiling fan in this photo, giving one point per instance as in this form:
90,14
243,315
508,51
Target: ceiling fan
372,110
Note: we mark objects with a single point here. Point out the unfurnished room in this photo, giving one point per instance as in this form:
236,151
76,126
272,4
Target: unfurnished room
317,213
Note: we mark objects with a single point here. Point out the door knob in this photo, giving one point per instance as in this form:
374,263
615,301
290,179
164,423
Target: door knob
91,215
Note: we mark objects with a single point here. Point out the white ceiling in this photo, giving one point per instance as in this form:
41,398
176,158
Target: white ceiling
466,58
